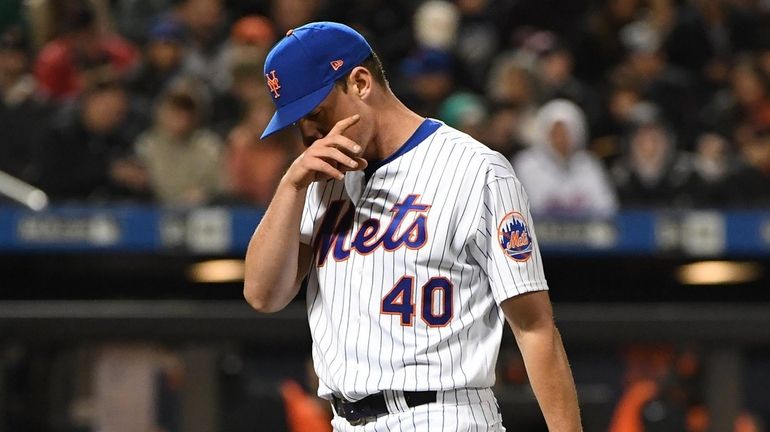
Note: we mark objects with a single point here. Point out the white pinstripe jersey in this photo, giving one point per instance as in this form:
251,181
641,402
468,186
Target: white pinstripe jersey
412,259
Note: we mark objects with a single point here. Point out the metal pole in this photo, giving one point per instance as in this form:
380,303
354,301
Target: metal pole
201,395
724,389
3,390
22,192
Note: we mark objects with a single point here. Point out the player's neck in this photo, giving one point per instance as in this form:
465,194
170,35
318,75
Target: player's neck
395,124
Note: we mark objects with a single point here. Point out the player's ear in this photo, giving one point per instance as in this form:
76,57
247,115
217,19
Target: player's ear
360,81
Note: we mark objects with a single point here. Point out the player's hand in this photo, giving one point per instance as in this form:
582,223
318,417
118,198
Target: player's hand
328,157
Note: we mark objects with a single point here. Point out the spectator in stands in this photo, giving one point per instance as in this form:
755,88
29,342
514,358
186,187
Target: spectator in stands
22,112
747,100
182,158
502,132
763,54
250,40
136,18
386,24
652,173
512,91
620,104
248,88
254,167
86,154
706,35
70,62
205,27
749,184
257,116
554,66
597,47
712,164
428,73
162,63
466,112
290,14
251,37
436,23
48,20
668,87
559,175
478,41
252,32
10,15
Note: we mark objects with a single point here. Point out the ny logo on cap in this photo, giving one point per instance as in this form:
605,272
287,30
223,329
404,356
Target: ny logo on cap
273,84
336,64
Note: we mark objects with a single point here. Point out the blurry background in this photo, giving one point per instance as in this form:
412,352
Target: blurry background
640,128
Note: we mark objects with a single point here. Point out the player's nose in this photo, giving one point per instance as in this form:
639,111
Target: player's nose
310,131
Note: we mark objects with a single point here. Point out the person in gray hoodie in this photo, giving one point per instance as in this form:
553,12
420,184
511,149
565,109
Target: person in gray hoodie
559,175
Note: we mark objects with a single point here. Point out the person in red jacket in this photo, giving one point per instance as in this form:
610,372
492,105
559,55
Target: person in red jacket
65,65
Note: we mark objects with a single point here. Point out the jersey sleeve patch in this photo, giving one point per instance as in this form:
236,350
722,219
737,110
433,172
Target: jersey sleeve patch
514,237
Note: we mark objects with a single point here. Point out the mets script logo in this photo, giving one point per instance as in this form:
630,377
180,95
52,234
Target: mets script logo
273,84
513,236
407,228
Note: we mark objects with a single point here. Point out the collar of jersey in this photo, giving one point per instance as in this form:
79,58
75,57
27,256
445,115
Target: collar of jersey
426,128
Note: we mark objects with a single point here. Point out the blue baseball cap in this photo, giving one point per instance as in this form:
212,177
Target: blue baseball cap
301,68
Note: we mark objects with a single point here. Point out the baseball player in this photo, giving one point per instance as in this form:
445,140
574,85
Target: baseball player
416,241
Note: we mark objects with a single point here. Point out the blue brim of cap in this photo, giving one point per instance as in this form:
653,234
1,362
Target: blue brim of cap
291,113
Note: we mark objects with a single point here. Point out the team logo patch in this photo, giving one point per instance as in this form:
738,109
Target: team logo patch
513,236
273,84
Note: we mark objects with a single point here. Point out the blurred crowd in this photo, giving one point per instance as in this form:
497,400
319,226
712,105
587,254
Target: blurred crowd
601,105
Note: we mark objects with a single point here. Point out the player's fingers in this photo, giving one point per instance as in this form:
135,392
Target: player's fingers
343,124
362,163
333,154
325,168
347,145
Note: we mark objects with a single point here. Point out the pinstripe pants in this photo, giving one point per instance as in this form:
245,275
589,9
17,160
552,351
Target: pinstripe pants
461,410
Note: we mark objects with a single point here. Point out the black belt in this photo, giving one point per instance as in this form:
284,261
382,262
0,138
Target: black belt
374,405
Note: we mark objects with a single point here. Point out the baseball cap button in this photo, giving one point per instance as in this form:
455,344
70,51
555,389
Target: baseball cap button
288,33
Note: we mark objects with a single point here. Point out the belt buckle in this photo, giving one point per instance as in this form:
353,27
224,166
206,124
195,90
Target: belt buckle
358,418
342,410
359,421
